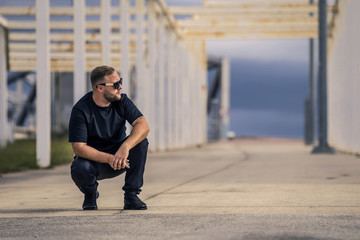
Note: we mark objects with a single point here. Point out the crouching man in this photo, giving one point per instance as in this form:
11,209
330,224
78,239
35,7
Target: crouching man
97,133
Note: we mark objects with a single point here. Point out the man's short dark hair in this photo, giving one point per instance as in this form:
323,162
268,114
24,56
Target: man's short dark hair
98,74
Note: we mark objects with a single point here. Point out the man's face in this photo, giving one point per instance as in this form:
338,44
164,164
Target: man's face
110,93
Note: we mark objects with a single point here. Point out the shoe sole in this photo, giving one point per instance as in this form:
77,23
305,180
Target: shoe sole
90,208
131,208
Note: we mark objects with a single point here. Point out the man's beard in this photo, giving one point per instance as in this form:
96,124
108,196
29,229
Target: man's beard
112,98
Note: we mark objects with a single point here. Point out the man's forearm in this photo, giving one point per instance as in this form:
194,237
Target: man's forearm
87,152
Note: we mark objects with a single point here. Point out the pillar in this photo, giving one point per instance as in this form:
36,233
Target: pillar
43,84
323,146
3,90
106,31
150,115
161,76
124,40
79,50
140,91
224,97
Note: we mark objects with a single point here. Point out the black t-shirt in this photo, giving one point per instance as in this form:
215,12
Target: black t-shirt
101,127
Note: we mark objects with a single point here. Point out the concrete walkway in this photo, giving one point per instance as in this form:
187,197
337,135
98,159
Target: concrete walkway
243,189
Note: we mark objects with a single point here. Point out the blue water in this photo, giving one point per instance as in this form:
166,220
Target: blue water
266,123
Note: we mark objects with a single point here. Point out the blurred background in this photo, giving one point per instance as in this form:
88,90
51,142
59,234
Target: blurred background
201,70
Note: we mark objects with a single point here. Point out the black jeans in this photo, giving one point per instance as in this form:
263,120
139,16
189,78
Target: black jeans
85,173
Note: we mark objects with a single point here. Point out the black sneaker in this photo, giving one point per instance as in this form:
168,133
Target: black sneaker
132,202
90,201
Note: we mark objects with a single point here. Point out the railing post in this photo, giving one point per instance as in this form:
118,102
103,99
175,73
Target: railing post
3,90
106,31
309,131
150,115
161,103
323,146
43,84
224,97
79,50
124,40
140,53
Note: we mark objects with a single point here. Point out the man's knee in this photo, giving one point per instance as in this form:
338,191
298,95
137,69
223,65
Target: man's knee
82,169
139,152
143,145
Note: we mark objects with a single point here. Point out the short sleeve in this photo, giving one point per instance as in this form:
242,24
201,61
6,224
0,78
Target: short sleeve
131,111
77,126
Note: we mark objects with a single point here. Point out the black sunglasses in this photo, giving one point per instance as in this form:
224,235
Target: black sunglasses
116,85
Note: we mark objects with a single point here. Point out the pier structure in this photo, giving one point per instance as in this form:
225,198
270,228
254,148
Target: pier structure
160,51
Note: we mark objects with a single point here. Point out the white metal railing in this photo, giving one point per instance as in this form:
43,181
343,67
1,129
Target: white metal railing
125,41
4,126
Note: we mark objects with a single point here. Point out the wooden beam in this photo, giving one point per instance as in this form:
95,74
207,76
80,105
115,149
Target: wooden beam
250,18
59,65
58,11
223,35
250,29
164,11
14,36
262,4
16,47
3,21
63,55
213,22
254,3
95,11
186,10
63,25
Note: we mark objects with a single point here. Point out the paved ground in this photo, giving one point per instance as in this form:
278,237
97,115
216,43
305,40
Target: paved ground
244,189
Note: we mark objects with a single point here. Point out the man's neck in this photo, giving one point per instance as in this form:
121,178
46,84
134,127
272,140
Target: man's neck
100,101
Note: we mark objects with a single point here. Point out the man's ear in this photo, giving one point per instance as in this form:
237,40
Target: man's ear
100,88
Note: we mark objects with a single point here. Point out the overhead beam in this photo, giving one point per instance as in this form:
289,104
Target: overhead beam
246,10
251,28
58,11
247,3
212,22
65,47
66,24
257,3
68,37
164,11
246,35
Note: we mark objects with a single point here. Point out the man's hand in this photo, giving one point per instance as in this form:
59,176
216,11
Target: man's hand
119,160
138,133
